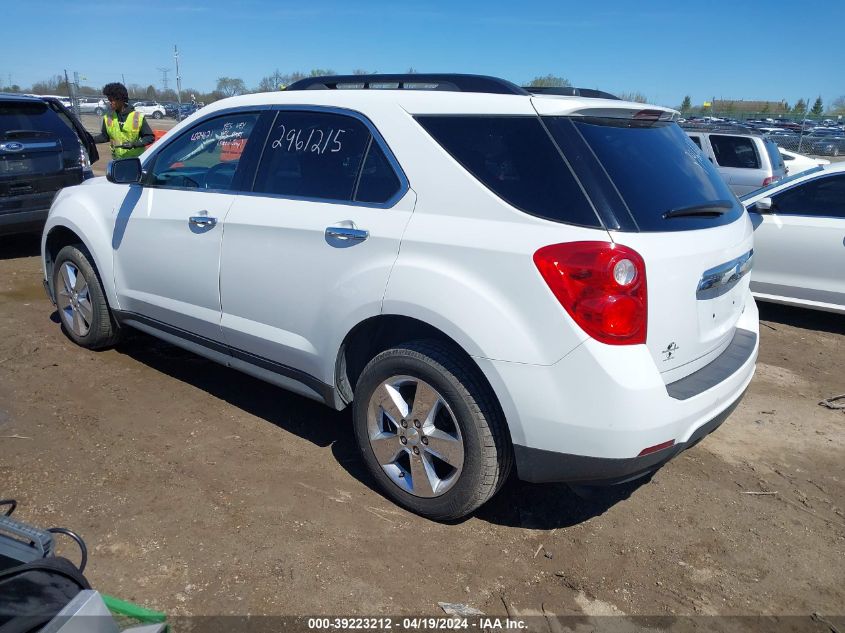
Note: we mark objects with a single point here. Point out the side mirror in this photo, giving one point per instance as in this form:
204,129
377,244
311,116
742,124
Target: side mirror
763,205
125,171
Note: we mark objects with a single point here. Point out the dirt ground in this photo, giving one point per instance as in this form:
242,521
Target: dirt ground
203,491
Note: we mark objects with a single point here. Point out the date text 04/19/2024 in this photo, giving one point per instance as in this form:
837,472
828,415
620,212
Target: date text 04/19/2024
482,623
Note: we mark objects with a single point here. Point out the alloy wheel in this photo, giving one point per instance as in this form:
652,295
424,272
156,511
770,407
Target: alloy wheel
415,436
74,300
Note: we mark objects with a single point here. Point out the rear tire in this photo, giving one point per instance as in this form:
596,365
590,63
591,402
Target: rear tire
430,430
80,300
98,112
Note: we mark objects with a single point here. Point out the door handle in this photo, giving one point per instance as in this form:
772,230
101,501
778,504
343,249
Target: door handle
344,233
202,221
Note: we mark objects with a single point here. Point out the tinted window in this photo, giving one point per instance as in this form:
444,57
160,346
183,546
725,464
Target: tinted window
696,140
312,155
822,197
378,181
206,156
654,166
514,158
735,151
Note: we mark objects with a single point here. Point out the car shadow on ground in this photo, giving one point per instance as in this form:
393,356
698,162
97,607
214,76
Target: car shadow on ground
803,318
518,504
23,245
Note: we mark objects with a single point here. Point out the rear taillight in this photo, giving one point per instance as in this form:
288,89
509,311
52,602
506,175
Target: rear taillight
769,180
601,285
84,160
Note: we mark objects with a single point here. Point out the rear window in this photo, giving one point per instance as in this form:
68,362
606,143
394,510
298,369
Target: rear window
29,118
655,168
774,154
514,157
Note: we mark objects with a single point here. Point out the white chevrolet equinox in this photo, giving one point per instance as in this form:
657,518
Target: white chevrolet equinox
489,278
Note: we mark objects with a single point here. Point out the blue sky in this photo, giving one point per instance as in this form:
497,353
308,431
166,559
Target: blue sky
753,50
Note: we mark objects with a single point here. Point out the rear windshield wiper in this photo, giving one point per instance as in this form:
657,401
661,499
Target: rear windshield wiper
707,209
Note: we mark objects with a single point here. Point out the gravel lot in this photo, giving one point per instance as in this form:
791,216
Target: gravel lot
201,491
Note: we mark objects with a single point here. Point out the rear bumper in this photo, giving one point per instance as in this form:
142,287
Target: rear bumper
589,417
23,221
538,465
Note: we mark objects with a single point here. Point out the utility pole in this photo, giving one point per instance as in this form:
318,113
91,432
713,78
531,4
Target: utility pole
164,72
178,83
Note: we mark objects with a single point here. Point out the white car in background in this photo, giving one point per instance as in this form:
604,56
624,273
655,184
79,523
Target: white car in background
799,239
150,109
430,258
796,163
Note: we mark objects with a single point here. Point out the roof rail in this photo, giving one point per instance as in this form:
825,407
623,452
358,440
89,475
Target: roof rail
569,91
721,127
413,81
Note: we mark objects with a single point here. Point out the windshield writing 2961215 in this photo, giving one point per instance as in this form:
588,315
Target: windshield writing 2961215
315,140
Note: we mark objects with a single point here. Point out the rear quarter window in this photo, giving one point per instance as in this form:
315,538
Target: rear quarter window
514,157
735,151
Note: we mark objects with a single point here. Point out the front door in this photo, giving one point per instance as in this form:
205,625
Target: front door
800,246
168,231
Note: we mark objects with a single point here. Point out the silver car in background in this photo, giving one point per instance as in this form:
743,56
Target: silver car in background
799,239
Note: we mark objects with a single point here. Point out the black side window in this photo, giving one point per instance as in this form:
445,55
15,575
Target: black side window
735,151
312,155
206,156
514,157
378,181
696,140
823,197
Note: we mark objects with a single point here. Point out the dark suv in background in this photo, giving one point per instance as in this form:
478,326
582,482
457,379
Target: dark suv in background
43,148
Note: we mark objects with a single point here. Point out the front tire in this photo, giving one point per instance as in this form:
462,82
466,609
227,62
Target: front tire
80,300
430,430
156,114
98,112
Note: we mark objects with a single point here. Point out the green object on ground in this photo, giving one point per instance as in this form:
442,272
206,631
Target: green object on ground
121,607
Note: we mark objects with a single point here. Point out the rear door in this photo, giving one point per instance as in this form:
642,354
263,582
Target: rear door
310,251
800,244
670,205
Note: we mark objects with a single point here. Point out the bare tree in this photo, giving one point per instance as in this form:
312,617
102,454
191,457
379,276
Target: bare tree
637,97
549,81
230,86
51,85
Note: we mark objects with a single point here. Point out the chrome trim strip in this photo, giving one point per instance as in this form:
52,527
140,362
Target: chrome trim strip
719,279
5,147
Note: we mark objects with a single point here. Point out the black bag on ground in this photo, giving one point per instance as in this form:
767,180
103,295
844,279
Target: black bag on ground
32,594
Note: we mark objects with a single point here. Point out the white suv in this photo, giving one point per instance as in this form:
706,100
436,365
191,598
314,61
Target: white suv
486,276
150,108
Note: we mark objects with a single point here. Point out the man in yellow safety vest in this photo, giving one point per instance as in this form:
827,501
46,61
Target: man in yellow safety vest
125,129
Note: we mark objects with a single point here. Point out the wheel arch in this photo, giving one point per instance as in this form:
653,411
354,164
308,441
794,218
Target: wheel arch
381,332
55,238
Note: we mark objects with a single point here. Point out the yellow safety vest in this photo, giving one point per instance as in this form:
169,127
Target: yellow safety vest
129,132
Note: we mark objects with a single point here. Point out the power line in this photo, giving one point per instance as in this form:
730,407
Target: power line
164,72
